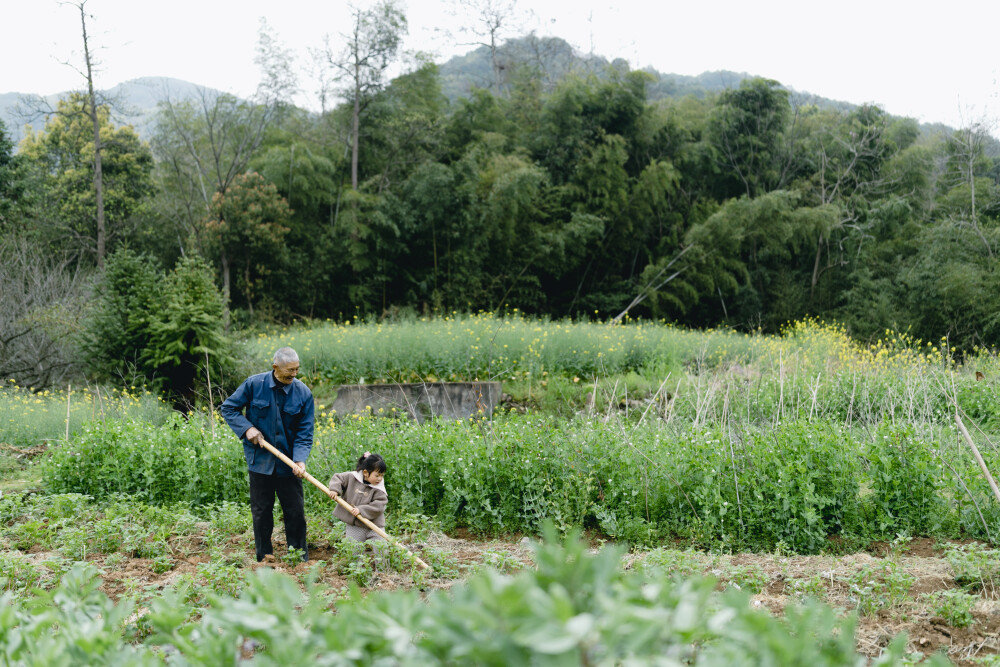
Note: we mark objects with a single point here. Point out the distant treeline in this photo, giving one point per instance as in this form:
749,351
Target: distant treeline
574,196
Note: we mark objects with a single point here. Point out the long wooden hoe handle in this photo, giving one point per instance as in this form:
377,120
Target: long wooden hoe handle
343,503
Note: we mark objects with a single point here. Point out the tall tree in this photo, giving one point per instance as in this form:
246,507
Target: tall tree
278,83
41,299
147,325
202,144
967,189
12,181
92,105
405,126
91,111
950,286
372,46
747,129
61,159
851,151
490,22
245,227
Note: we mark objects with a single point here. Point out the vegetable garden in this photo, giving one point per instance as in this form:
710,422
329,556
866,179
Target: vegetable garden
644,493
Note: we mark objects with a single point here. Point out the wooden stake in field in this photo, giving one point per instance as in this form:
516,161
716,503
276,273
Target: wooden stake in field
343,503
979,457
69,390
211,403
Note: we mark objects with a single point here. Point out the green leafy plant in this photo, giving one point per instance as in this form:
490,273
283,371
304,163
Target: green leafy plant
30,533
74,542
570,608
955,607
813,587
501,561
115,561
162,563
411,527
749,578
904,479
293,556
671,562
221,578
443,564
17,574
882,586
57,566
975,567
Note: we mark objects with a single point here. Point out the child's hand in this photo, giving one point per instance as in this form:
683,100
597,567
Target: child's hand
355,511
333,495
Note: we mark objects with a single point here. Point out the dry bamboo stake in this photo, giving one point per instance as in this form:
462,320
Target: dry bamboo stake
211,403
979,458
343,503
100,401
652,402
69,390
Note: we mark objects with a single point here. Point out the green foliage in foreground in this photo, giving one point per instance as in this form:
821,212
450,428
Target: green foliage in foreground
575,608
790,485
76,527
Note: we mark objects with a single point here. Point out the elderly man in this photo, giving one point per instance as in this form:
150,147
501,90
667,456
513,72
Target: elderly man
279,409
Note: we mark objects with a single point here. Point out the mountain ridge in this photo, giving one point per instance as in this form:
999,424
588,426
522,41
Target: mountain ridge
551,58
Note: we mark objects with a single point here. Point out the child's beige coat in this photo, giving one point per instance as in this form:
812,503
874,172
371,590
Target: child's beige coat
370,500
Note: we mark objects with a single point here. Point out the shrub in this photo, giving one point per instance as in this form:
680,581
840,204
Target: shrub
116,328
155,326
904,477
793,485
176,461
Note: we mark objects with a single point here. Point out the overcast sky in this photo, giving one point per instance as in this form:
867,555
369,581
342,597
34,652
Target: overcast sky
933,61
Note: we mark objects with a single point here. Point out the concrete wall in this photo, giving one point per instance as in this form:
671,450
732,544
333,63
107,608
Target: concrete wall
421,400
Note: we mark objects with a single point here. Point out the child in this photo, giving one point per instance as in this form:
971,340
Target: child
364,489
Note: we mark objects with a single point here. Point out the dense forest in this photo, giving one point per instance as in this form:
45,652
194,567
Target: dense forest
572,191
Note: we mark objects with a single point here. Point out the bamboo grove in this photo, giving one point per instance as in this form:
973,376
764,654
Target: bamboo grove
575,192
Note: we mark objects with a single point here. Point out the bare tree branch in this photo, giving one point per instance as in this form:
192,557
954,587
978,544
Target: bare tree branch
41,301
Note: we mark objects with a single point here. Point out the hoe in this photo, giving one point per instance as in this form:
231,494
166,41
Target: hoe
343,503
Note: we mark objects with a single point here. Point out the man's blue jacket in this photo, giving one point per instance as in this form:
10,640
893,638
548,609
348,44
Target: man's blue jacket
291,433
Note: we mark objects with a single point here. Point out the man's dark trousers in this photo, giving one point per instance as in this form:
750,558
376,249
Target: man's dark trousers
263,488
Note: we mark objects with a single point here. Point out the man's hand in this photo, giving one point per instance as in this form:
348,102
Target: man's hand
255,436
299,469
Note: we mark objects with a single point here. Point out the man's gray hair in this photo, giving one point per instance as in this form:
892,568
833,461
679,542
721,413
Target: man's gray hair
284,355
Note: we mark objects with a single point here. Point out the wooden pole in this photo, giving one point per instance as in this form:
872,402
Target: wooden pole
69,390
979,457
211,403
343,503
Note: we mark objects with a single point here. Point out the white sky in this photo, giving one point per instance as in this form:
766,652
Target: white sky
936,62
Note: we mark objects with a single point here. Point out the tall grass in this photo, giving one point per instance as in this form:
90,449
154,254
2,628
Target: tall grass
812,370
491,347
29,418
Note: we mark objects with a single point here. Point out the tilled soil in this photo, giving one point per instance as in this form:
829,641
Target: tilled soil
781,576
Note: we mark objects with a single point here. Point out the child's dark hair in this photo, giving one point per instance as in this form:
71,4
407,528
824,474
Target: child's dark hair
371,463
